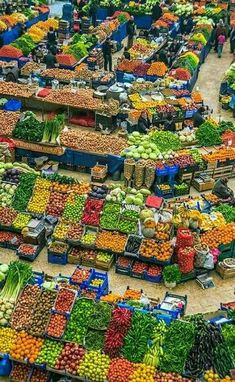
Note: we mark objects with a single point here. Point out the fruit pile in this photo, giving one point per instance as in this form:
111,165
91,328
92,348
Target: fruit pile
70,358
112,241
56,204
26,346
120,370
152,250
20,372
80,275
56,325
64,301
143,372
7,339
23,311
49,353
73,208
94,366
75,232
61,231
42,312
222,235
21,221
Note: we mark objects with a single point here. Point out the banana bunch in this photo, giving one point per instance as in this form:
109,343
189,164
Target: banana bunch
163,227
155,350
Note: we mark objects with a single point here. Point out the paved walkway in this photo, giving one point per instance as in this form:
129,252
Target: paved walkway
209,80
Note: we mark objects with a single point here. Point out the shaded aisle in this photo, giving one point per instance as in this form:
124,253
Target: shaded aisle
210,76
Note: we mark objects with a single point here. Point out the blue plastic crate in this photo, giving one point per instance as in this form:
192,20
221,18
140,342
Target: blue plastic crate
57,258
126,306
174,313
152,279
38,278
12,105
164,194
84,283
103,288
172,170
162,172
160,316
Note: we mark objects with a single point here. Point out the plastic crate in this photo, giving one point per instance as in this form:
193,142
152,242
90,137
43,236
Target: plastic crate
57,258
84,282
103,288
122,270
172,170
166,194
31,258
136,275
12,105
161,316
152,279
38,278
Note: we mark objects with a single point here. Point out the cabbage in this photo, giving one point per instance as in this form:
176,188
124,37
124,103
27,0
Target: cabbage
4,268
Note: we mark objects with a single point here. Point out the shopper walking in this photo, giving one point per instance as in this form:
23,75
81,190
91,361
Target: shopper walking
107,54
130,32
221,41
232,40
220,30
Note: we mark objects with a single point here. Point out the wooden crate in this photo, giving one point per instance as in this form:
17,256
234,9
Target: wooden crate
203,186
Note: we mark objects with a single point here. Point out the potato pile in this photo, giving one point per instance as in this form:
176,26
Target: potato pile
8,121
15,90
59,74
92,142
82,99
29,68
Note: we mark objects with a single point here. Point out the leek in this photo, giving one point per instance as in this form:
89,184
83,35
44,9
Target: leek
47,131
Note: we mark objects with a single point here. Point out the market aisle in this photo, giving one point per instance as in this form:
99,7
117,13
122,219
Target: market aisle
56,8
210,76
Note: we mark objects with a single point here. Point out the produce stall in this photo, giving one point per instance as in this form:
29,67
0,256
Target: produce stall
61,331
11,35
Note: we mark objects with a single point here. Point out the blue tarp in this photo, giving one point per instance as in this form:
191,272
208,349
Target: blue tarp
78,158
143,22
102,14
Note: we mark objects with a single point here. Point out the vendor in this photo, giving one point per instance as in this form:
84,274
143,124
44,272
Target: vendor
22,29
156,12
174,47
169,124
126,54
163,57
107,54
51,37
143,123
50,60
222,191
8,10
198,119
130,32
